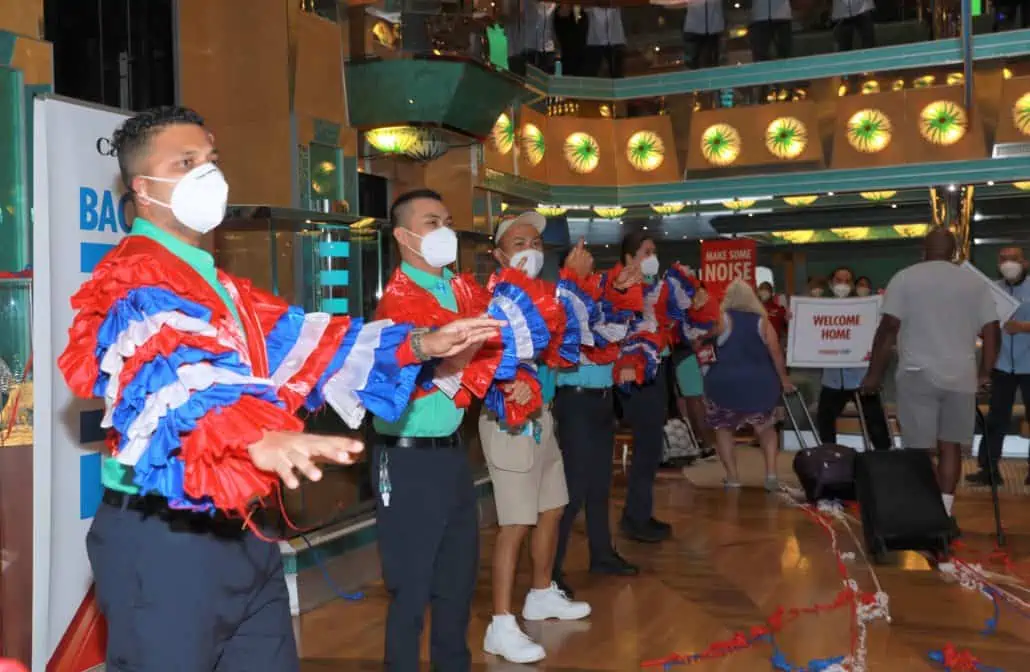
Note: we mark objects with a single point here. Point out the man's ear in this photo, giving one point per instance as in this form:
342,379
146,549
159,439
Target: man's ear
498,256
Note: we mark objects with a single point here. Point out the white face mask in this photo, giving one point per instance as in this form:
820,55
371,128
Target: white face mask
198,198
439,247
649,266
1011,270
862,291
531,261
764,295
842,291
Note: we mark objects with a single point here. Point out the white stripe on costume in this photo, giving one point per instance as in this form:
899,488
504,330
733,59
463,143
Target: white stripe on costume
191,378
519,328
679,294
449,385
341,389
579,309
310,334
133,337
612,332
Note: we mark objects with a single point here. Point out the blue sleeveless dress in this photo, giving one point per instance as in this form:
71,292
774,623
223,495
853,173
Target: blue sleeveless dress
742,386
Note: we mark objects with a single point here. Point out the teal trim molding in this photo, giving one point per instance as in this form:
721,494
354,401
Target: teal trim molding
326,132
884,59
7,41
909,176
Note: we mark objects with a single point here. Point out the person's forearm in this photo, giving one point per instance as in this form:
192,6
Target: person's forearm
883,343
989,351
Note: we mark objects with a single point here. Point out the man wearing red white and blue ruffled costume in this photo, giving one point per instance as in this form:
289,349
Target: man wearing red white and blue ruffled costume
642,379
426,508
201,376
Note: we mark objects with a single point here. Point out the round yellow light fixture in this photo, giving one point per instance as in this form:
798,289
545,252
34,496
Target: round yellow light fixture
1021,114
869,131
1022,186
392,139
852,232
503,134
582,153
943,123
720,144
786,138
551,210
877,196
609,211
668,208
645,151
800,201
532,144
796,237
911,230
738,204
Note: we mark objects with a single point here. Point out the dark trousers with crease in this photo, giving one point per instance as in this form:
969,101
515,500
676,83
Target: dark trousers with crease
645,408
429,550
999,415
831,404
586,437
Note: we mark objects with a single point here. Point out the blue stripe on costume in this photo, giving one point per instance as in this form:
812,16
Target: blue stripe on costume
389,386
283,336
538,332
136,305
316,399
570,295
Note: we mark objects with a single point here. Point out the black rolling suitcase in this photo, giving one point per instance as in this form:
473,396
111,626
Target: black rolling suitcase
900,500
826,471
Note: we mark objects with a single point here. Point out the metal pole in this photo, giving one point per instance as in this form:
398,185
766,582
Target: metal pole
967,53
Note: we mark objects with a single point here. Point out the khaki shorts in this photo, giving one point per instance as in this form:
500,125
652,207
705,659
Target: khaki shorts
528,477
928,414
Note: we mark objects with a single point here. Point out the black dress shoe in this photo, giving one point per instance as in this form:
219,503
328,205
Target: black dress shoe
983,477
613,564
559,581
660,525
644,533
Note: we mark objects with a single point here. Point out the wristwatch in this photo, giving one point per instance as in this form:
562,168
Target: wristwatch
416,344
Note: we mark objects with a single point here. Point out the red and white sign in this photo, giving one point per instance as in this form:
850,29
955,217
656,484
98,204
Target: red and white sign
723,261
832,332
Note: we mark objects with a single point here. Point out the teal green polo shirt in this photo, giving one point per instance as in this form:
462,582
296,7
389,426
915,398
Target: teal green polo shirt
113,474
435,414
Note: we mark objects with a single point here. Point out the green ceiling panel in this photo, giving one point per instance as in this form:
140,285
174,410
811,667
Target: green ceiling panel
462,96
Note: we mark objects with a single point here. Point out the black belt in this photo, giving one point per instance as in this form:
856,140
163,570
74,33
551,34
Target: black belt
601,392
179,519
419,442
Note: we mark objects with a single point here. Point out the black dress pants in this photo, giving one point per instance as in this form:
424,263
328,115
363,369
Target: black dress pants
831,404
646,410
999,416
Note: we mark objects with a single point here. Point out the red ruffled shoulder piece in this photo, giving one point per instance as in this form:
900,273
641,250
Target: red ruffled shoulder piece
267,307
136,262
591,285
630,299
472,297
217,458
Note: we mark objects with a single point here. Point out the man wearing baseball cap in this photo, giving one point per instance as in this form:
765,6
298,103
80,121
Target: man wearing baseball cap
528,475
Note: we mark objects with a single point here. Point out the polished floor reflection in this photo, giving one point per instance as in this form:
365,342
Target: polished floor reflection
734,558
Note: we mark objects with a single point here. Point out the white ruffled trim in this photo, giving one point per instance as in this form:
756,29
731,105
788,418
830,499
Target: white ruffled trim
307,341
679,294
517,321
133,337
191,378
340,391
613,332
581,313
449,385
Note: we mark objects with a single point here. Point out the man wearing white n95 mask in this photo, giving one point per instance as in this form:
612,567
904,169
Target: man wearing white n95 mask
1012,371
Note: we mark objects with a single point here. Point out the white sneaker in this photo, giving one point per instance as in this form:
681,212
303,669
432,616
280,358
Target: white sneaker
552,602
504,638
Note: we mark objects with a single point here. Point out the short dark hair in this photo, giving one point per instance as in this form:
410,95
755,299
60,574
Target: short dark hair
397,209
130,140
842,268
631,243
864,277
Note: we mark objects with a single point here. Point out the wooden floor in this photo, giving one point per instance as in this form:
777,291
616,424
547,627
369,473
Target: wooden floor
734,558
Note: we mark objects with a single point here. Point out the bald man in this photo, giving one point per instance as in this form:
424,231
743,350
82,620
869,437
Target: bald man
935,310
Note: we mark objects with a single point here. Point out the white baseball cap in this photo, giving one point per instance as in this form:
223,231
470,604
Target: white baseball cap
529,217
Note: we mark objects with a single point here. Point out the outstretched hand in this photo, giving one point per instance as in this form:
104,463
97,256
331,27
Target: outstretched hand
459,336
580,261
629,275
288,454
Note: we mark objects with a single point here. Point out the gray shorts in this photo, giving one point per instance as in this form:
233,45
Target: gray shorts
928,414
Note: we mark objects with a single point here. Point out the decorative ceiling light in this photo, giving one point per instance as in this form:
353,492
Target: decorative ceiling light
1022,186
504,206
503,134
429,145
551,210
897,85
738,204
720,144
852,232
943,123
1006,73
606,111
668,208
878,196
911,230
582,153
1021,114
392,139
869,131
533,145
609,211
645,151
869,87
786,138
797,237
954,79
924,82
800,201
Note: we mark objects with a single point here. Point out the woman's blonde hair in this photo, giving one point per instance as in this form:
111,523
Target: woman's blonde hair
740,296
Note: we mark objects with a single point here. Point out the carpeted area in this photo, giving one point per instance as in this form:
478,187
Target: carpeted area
709,474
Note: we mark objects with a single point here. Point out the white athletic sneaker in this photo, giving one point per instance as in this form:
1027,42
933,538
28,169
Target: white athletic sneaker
504,638
552,602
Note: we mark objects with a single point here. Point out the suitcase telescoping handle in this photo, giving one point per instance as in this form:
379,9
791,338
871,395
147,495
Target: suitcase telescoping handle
865,426
802,444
